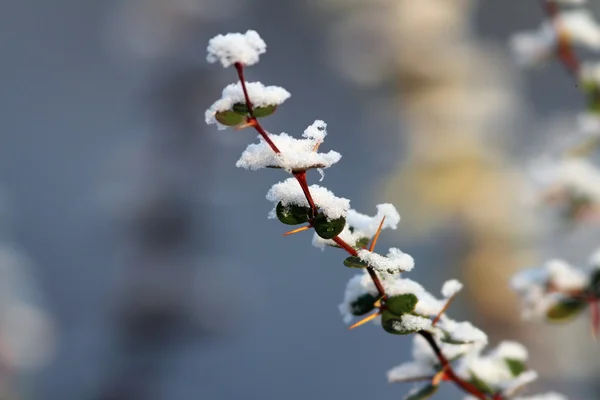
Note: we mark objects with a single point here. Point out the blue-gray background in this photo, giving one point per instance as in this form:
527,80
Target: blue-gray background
69,104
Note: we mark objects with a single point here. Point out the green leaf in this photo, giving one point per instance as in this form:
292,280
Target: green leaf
480,384
328,229
565,309
517,367
362,243
261,112
229,118
292,214
355,262
363,305
392,323
240,108
423,393
402,304
447,338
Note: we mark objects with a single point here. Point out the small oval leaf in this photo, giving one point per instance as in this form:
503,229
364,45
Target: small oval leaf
328,229
392,323
565,309
517,367
229,118
402,304
240,108
292,214
362,243
422,393
355,262
480,384
363,305
261,112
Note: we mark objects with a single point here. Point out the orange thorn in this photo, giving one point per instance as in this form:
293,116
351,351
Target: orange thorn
443,310
374,242
304,228
365,320
248,124
439,377
316,146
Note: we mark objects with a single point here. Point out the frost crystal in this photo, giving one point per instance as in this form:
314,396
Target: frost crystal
296,154
260,96
412,323
236,47
290,192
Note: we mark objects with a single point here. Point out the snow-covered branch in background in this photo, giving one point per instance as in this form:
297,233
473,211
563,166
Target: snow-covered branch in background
570,182
444,349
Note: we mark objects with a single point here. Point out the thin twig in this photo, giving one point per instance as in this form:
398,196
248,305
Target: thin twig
466,386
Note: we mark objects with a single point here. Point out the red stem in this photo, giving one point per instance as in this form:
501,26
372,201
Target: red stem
464,385
564,51
301,177
239,67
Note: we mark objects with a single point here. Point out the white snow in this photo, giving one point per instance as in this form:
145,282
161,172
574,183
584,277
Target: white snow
296,154
259,94
357,286
290,192
451,287
412,323
228,49
511,350
395,261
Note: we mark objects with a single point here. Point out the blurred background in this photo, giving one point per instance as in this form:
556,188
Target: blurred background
136,261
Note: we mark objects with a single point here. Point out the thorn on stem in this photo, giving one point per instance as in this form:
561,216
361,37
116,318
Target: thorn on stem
366,319
376,237
302,229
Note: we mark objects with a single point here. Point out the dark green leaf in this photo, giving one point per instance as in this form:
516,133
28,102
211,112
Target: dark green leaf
480,384
447,338
292,214
240,108
355,262
362,243
363,305
517,367
261,112
392,323
328,229
565,309
229,118
402,304
423,393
